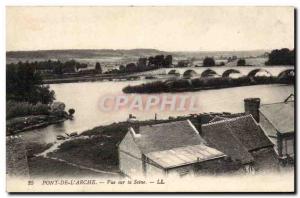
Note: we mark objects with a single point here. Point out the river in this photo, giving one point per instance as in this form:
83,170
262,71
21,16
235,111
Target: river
85,97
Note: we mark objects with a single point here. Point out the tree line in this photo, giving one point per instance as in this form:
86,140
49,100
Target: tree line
282,56
56,66
145,64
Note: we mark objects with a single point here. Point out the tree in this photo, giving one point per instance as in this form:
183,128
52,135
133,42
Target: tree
69,66
71,111
282,56
168,61
183,63
241,62
131,67
151,61
142,63
58,69
98,68
159,61
24,83
208,62
122,68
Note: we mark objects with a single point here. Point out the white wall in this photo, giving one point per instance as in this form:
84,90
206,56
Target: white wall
152,171
130,158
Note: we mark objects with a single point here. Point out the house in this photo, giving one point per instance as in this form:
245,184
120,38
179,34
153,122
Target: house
87,70
173,148
242,140
277,120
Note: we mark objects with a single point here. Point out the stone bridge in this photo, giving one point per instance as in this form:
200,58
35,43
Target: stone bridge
225,71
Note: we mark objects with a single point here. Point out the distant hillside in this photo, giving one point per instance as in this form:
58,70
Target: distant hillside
86,54
119,55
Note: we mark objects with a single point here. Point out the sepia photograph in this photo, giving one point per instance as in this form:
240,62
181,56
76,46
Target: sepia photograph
150,99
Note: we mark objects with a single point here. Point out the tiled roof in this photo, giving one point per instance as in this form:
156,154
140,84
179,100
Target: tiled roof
281,115
167,136
184,155
217,118
236,137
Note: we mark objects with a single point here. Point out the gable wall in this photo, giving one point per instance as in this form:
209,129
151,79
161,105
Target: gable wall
130,158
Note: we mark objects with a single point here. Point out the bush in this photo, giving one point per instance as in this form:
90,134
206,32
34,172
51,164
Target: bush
182,83
18,109
241,62
208,62
71,111
152,87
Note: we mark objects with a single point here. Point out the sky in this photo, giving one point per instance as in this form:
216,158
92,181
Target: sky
163,28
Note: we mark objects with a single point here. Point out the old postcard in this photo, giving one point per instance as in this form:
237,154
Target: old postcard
150,99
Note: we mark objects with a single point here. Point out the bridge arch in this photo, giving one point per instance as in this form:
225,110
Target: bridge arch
230,71
189,73
255,71
287,73
208,72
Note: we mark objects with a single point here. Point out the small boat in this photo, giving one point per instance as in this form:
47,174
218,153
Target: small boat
60,137
73,134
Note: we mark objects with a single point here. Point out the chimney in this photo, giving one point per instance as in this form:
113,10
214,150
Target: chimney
136,127
251,107
134,124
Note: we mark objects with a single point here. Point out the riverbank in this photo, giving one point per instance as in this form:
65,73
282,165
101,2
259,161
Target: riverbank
77,77
21,124
24,116
198,84
89,79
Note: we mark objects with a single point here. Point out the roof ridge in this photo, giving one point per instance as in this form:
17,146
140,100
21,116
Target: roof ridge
227,120
277,103
163,123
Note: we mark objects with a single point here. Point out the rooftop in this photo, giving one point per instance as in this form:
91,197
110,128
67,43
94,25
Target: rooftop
236,137
184,155
281,115
166,136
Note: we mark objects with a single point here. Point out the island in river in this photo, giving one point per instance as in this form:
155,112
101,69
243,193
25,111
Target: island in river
198,84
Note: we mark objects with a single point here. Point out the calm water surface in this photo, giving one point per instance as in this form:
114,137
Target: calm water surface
85,97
